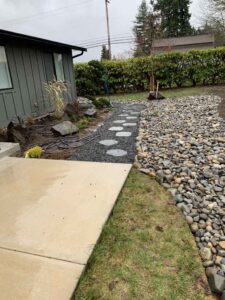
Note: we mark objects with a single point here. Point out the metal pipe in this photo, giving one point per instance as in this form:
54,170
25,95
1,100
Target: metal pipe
80,54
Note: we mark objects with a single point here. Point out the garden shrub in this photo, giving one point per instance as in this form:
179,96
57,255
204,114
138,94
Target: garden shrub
101,103
173,69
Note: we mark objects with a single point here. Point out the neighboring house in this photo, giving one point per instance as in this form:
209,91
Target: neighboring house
27,62
183,44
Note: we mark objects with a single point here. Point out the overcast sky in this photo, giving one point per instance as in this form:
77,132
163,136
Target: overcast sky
76,21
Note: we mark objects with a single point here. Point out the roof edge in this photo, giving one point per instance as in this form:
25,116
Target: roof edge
17,35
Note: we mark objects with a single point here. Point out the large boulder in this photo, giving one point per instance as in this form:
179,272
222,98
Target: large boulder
65,128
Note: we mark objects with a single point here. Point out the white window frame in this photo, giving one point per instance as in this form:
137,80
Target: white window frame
8,74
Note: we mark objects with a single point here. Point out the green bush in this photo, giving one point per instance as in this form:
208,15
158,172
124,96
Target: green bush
101,103
172,69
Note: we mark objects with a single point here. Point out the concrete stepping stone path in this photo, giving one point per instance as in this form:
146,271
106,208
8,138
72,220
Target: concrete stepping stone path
116,128
116,152
123,134
108,142
114,141
130,124
119,121
131,118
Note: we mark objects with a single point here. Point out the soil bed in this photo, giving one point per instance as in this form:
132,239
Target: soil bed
59,147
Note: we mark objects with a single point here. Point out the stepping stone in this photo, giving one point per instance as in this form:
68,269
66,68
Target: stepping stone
116,128
116,152
119,121
108,142
129,124
123,134
134,113
131,118
124,115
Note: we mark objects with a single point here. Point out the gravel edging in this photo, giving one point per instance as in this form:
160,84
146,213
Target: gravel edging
181,143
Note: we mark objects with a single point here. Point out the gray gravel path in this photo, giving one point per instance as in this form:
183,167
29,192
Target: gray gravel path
129,114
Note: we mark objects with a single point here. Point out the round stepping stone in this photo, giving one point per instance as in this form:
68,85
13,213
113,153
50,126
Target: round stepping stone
116,152
119,121
108,142
116,128
131,118
123,134
129,124
134,113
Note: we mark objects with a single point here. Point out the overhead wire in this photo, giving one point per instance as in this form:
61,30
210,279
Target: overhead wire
44,13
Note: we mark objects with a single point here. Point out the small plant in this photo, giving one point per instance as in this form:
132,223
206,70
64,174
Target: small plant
35,152
101,103
83,123
56,90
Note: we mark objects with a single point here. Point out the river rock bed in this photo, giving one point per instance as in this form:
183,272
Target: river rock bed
181,143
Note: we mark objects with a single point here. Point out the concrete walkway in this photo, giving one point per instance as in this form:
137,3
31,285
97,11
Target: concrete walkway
51,216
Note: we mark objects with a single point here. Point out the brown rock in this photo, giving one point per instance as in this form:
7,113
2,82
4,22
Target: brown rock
222,244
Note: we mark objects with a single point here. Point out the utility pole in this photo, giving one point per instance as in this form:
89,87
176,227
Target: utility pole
108,29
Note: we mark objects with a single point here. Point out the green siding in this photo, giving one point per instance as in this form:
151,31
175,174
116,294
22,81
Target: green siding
28,68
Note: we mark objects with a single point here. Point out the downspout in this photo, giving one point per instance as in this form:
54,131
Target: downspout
80,54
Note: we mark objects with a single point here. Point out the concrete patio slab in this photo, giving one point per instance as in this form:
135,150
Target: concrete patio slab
7,149
25,276
56,209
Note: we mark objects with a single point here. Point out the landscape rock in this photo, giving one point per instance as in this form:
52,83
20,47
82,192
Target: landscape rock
205,254
216,283
84,103
91,112
182,142
65,128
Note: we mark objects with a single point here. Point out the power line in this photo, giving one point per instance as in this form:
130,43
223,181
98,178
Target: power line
104,41
113,43
45,13
103,37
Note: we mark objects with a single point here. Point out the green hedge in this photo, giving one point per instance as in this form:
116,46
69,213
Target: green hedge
171,70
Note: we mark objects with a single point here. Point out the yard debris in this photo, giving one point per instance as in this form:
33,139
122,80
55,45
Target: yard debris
65,128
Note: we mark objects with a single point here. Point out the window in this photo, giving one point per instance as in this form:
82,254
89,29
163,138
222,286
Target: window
5,79
59,67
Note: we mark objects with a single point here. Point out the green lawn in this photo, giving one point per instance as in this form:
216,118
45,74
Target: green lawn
146,250
168,93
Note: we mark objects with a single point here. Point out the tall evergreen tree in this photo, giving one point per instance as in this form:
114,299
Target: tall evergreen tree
175,17
105,53
145,29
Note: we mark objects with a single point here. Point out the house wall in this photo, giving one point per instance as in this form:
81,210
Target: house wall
28,68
